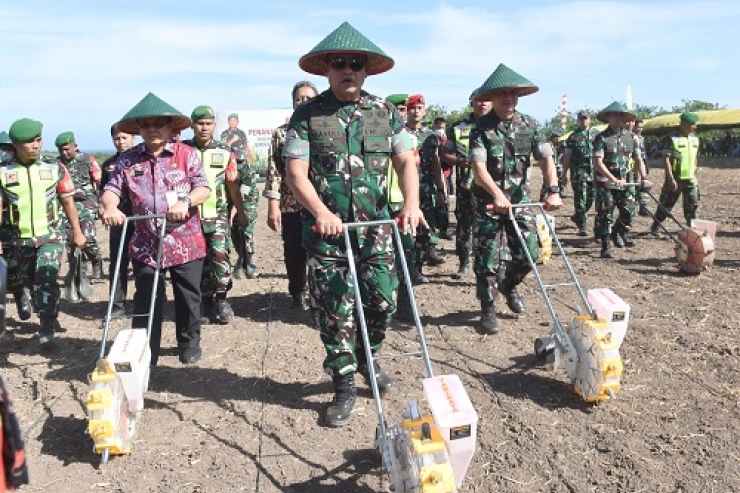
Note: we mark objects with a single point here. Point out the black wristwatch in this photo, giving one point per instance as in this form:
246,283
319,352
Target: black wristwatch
187,200
553,189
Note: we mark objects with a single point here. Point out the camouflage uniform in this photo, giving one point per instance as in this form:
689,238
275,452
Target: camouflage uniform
428,147
349,148
40,245
687,187
240,144
8,238
616,148
86,174
580,143
243,237
505,146
215,220
458,141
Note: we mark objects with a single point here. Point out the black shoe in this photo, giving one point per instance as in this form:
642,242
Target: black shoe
239,272
462,272
47,341
385,382
223,311
299,301
582,230
345,394
206,310
445,235
190,355
251,270
417,277
617,238
606,249
655,229
629,242
117,313
433,257
513,298
23,304
488,320
644,211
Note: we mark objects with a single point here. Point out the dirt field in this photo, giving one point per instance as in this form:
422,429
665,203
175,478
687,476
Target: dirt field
247,417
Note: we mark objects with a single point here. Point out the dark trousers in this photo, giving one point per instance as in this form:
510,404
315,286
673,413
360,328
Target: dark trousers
186,287
120,289
293,251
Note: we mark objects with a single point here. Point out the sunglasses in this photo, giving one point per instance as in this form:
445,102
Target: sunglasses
340,62
154,124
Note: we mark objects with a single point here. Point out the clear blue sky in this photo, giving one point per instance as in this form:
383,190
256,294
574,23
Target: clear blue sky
81,65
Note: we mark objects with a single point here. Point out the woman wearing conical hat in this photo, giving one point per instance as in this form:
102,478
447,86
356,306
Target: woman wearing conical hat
501,145
337,151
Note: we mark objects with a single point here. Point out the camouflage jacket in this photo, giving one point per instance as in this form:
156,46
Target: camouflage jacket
86,175
581,144
506,147
237,137
461,146
275,186
348,148
428,144
616,147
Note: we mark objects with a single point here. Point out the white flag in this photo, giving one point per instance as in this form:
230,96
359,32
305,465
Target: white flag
628,100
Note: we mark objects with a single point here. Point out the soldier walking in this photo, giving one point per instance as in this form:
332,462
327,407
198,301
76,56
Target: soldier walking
577,162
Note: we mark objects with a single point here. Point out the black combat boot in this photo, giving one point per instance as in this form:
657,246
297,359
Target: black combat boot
23,304
655,228
223,311
617,237
488,321
629,242
299,301
606,248
345,394
463,270
582,230
513,298
416,276
239,272
384,381
433,257
70,286
97,269
403,305
250,269
46,332
206,310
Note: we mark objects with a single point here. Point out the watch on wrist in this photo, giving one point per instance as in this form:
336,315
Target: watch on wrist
553,189
187,200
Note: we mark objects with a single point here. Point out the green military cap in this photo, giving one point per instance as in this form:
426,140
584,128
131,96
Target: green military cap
503,78
64,138
4,138
615,107
689,117
202,113
396,99
555,133
346,39
25,130
233,115
151,107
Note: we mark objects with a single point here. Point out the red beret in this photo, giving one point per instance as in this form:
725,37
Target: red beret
415,99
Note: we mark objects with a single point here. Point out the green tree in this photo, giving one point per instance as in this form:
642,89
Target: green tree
696,105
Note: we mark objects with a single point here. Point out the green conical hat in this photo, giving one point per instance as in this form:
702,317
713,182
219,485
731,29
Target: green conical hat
150,107
346,39
505,78
615,107
5,138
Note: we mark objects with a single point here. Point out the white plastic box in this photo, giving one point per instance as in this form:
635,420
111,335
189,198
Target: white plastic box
613,309
455,418
130,356
709,227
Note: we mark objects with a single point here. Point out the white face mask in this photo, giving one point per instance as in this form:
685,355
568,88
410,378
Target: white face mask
440,132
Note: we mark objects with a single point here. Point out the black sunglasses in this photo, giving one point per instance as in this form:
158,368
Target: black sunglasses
340,62
156,124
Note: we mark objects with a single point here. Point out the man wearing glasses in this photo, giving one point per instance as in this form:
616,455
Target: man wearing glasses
161,176
337,150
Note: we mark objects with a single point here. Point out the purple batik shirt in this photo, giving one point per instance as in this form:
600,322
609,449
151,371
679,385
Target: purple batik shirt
145,180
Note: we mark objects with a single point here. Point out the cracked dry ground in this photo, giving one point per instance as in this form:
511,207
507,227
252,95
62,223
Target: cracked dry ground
247,417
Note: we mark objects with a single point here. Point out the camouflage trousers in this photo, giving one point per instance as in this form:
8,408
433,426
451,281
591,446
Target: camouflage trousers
39,269
442,216
607,198
668,198
465,216
13,281
426,238
87,225
499,254
583,195
216,265
333,293
250,196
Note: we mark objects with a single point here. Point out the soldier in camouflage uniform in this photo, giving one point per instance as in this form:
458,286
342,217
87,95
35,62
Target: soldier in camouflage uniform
680,151
455,152
219,165
284,211
8,246
432,189
34,219
86,174
501,144
577,161
612,150
338,149
236,139
243,235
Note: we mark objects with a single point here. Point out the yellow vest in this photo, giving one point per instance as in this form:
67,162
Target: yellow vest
215,161
395,195
685,149
32,196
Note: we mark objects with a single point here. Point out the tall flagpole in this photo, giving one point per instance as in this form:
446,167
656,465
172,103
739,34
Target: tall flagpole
628,100
564,112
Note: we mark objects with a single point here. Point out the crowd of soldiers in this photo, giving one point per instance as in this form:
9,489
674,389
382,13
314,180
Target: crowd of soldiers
346,156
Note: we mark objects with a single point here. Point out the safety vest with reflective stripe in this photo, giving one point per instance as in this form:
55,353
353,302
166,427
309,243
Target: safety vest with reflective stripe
31,195
685,149
215,161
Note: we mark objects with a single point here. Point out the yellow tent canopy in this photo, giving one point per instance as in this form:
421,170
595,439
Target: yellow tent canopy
708,120
600,127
